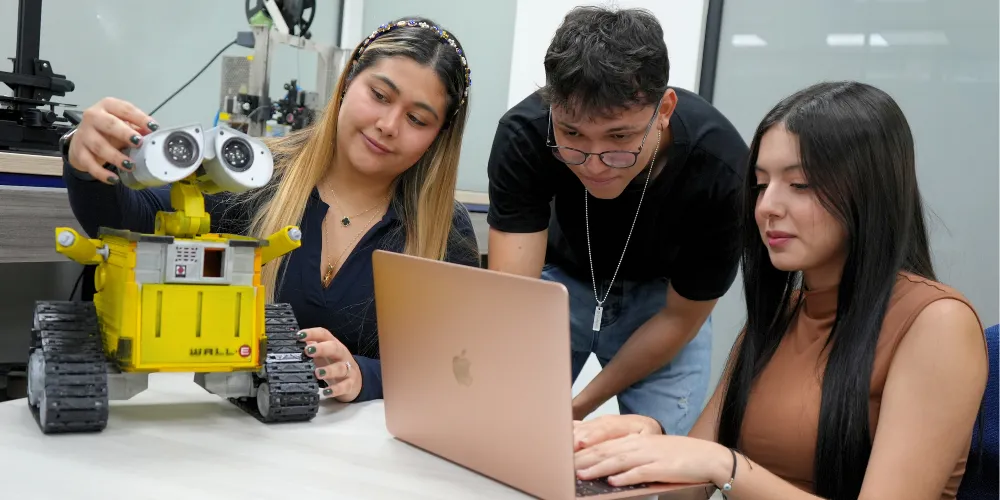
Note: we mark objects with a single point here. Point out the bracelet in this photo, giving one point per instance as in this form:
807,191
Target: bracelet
732,476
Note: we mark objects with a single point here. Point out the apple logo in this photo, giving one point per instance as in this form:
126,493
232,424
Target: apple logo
462,368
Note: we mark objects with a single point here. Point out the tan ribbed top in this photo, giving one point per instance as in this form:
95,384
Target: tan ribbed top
780,426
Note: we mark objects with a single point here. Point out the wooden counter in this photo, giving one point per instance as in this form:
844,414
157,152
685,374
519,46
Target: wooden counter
18,163
28,218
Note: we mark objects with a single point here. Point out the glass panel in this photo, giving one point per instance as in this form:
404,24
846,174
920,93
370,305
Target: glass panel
938,59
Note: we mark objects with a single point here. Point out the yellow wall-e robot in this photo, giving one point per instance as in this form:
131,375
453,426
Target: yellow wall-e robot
180,300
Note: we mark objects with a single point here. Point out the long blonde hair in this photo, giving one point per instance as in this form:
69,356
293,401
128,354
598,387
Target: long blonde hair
423,195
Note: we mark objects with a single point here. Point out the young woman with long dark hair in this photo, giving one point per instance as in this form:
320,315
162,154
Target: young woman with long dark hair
857,375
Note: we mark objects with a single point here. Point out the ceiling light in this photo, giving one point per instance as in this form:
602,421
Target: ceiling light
845,39
876,40
748,41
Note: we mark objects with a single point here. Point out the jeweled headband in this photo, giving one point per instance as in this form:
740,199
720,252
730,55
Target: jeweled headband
445,36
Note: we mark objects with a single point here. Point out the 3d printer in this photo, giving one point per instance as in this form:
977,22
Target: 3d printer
25,123
244,100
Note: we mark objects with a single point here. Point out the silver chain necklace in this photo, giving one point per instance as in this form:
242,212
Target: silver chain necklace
599,310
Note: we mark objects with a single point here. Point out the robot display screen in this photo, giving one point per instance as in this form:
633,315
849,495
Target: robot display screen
212,263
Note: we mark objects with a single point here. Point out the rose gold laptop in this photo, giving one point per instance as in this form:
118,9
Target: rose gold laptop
476,370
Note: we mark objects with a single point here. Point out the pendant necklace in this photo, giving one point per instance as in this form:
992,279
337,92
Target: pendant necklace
331,267
346,220
599,310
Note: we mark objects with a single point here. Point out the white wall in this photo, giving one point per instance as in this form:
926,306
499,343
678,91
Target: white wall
536,21
352,29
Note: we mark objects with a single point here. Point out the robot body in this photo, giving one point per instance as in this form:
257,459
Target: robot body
179,300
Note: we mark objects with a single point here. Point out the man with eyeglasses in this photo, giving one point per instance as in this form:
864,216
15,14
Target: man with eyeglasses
626,191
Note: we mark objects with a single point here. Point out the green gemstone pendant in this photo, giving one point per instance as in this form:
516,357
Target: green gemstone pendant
346,221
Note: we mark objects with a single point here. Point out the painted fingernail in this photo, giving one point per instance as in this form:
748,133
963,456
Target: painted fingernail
113,180
327,392
153,126
311,349
135,140
322,372
128,165
301,335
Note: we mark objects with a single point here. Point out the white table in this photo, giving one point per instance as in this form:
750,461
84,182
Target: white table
175,441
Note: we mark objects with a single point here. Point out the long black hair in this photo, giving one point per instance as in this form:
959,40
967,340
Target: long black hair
857,153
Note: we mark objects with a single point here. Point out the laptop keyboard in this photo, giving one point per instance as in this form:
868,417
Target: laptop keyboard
600,487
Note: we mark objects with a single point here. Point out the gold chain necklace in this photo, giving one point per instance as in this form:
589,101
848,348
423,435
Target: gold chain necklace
331,267
346,220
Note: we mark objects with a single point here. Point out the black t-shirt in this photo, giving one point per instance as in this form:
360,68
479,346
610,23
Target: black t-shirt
688,230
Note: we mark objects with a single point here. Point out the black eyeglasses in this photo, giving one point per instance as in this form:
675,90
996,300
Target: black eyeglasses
613,159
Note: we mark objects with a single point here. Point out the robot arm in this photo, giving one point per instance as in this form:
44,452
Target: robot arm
83,250
280,243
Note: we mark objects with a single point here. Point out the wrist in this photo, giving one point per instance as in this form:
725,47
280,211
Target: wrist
720,465
651,426
64,142
78,174
585,403
595,393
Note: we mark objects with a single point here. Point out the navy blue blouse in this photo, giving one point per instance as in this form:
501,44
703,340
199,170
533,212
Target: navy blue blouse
346,308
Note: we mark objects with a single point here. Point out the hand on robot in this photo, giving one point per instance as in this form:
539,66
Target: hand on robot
334,364
106,129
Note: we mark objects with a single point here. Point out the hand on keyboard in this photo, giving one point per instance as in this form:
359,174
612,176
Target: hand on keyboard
649,458
600,487
604,428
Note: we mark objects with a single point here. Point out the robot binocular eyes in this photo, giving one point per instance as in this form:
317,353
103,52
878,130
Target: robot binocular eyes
229,160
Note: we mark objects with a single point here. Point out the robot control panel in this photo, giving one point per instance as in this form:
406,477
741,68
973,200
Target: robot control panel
191,262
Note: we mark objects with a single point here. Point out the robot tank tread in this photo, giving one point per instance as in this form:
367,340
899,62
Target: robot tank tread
287,389
68,372
67,369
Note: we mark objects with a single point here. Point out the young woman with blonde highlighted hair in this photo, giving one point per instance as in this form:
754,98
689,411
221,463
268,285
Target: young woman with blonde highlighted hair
376,171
